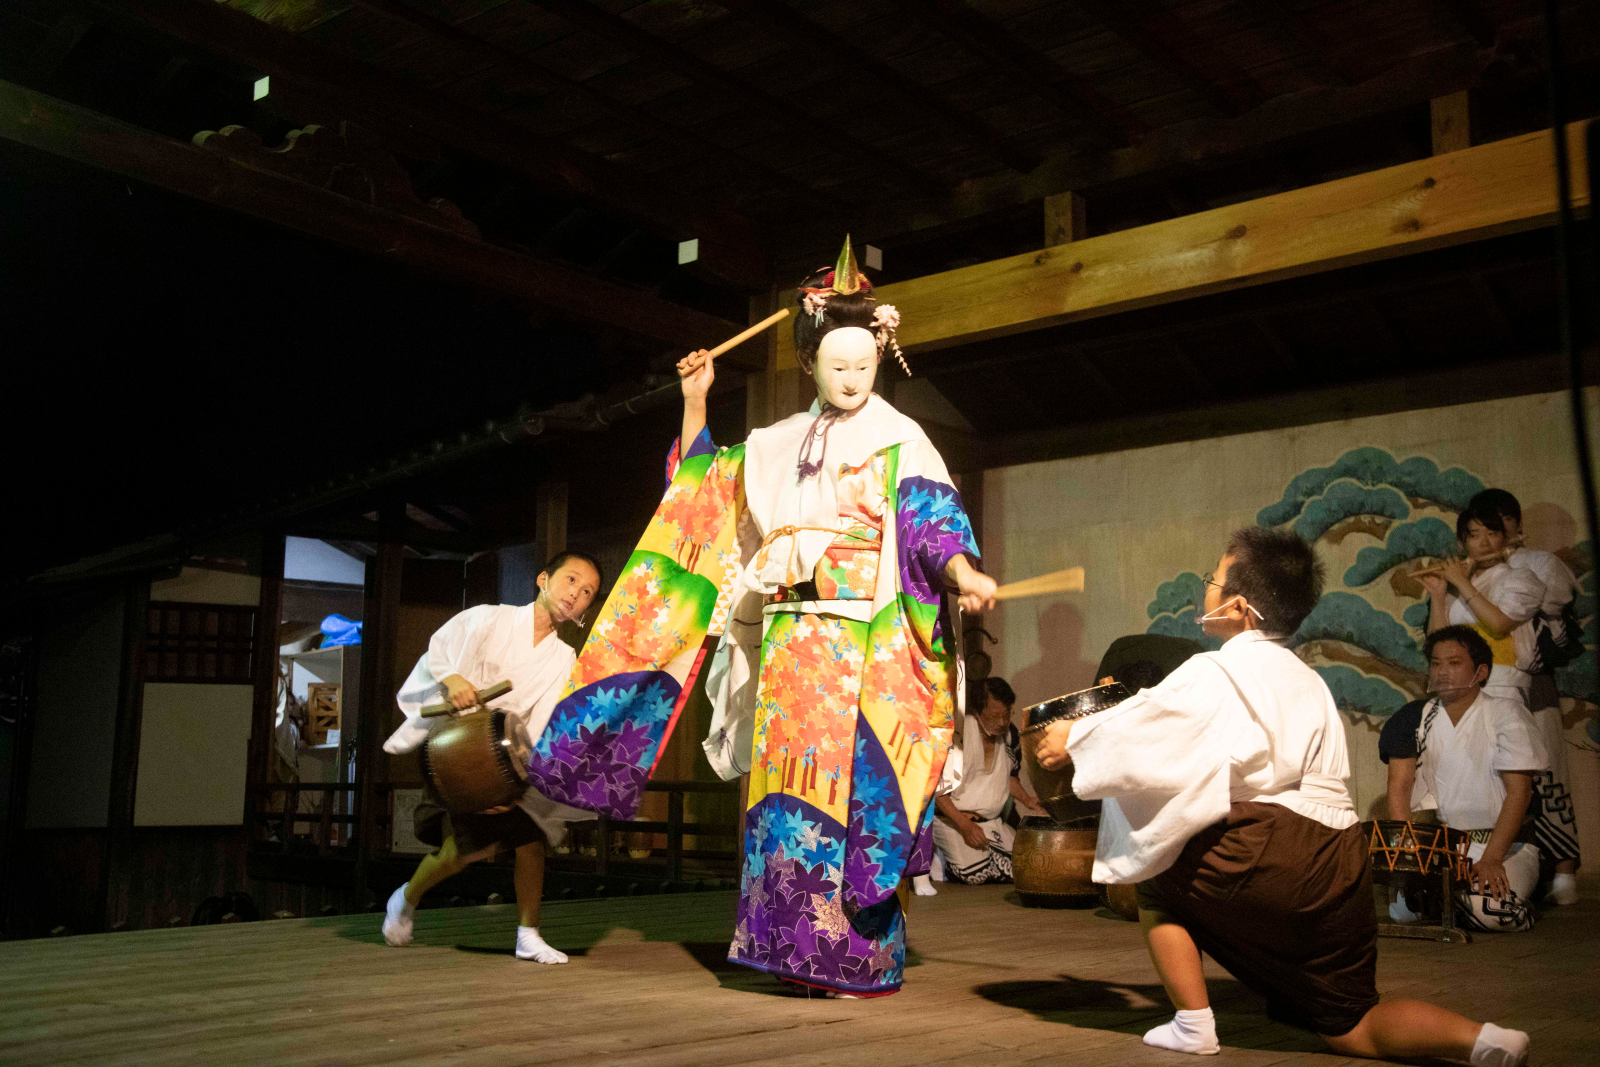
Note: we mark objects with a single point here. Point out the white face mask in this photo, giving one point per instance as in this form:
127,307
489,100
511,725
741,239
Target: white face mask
847,365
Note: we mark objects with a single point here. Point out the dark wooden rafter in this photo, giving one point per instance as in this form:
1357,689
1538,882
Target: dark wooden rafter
1471,17
1294,30
491,54
1118,17
234,171
65,35
619,31
839,53
1017,59
729,251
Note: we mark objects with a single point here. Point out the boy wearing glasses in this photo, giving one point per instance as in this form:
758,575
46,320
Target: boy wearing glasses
1225,799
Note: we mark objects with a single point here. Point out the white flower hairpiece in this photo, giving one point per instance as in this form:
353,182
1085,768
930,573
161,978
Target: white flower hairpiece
886,317
814,303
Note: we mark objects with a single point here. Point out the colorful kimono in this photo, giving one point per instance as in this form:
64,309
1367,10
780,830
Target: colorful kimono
853,692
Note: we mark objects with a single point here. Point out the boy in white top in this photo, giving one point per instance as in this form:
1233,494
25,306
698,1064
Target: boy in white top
1477,758
475,649
1558,640
1224,796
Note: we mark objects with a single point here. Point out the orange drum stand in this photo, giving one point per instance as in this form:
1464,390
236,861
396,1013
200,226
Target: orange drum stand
1399,846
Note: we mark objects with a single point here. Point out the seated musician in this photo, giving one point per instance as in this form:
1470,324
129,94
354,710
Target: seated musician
1224,796
1558,640
1397,748
1477,755
974,843
477,648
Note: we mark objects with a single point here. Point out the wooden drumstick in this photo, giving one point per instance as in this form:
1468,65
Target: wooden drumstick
741,338
1067,581
486,694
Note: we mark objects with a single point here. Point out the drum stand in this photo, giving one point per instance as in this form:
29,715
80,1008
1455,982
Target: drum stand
1446,930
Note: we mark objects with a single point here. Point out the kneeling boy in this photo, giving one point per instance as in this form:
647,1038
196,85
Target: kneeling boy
1224,795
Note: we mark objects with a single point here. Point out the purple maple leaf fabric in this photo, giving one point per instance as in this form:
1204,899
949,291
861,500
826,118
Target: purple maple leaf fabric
597,750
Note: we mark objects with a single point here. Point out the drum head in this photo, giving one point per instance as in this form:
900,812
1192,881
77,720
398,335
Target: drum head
1076,705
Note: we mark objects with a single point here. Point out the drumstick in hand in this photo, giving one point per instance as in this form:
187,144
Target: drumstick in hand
1067,581
486,694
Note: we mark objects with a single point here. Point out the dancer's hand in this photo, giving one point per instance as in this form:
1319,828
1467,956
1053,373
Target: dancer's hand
976,588
697,371
1052,752
461,692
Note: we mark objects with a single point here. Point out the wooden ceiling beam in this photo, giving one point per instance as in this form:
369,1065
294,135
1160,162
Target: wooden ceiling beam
729,249
1497,188
1016,59
492,54
836,51
227,177
619,31
1114,16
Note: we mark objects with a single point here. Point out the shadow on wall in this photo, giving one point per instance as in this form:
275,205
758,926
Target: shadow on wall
1061,667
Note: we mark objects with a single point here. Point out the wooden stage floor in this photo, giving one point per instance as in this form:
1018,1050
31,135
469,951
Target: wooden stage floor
991,983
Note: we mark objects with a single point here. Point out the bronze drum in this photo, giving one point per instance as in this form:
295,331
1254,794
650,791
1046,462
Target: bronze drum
476,761
1052,865
1055,787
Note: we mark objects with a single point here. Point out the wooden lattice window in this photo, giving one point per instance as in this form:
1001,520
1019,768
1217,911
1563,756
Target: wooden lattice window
200,643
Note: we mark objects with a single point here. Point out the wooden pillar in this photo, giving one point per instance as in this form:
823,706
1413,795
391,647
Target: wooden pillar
264,671
1452,123
379,633
971,486
118,866
1064,219
551,504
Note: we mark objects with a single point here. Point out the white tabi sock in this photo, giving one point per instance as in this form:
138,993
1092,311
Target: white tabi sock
1496,1047
1563,889
530,946
922,885
397,918
1189,1031
1400,913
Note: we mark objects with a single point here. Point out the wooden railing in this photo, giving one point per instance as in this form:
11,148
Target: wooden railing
269,812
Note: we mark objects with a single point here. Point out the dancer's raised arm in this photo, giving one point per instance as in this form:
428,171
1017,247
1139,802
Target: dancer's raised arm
696,372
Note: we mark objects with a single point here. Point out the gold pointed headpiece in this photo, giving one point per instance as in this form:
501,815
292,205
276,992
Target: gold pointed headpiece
846,275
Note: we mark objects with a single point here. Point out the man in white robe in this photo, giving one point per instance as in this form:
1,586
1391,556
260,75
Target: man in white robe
974,842
1558,639
1477,758
1224,795
475,649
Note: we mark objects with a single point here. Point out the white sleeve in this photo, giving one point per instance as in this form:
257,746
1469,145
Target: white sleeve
1519,594
453,644
733,682
1517,743
1557,578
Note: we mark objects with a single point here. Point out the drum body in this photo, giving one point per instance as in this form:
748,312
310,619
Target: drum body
476,761
1055,787
1400,845
1053,865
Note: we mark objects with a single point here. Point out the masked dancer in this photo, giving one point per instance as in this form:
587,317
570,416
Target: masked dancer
816,556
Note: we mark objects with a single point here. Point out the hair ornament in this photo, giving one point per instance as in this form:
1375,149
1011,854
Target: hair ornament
846,275
886,317
814,301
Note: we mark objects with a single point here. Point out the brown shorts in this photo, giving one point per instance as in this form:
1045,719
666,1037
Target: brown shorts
473,832
1285,904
